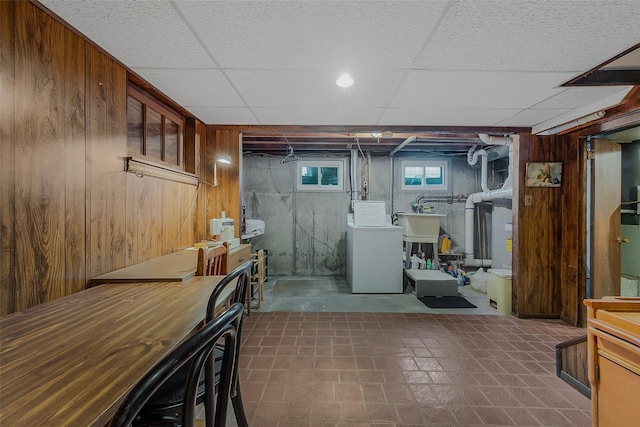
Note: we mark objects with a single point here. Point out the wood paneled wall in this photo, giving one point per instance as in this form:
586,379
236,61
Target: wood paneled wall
43,158
106,144
549,248
573,239
68,210
224,197
7,151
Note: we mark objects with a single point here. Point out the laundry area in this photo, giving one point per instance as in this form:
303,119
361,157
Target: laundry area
426,224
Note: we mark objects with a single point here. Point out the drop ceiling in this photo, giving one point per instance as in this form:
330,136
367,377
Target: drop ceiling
417,65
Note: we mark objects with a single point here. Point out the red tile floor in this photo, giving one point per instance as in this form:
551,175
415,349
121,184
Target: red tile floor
392,369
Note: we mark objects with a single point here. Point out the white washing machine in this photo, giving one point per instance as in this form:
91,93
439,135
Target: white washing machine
374,259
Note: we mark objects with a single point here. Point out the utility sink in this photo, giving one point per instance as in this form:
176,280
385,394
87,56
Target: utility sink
420,228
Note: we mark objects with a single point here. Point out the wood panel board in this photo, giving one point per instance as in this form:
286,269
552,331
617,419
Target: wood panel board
200,224
538,234
39,157
74,153
8,289
177,212
605,253
572,289
575,363
227,198
106,145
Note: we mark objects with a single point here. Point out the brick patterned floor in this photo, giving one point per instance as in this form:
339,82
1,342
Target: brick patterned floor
394,369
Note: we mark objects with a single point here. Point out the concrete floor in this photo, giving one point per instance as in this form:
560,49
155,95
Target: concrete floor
333,294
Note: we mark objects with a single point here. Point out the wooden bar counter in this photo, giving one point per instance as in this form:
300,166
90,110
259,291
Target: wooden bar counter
71,361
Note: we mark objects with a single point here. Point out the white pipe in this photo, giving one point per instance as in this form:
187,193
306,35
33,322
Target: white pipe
391,182
355,183
494,140
508,183
472,159
506,192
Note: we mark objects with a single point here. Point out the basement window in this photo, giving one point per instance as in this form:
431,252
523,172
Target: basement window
425,175
154,131
320,175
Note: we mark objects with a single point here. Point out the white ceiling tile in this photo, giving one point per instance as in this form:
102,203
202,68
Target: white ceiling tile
224,115
202,87
444,116
463,63
337,35
300,88
313,116
526,117
451,89
538,35
138,33
572,97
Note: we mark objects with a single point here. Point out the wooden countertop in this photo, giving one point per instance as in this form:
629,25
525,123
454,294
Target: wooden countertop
175,267
71,361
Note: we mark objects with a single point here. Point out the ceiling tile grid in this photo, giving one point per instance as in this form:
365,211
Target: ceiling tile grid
305,88
334,35
445,116
319,116
194,87
448,89
137,33
538,35
229,115
431,63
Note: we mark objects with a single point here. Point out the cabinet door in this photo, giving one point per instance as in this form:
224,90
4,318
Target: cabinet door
618,392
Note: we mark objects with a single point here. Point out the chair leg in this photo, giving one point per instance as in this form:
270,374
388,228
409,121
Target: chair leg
238,408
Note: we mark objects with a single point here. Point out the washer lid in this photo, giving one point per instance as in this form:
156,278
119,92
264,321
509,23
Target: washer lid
500,272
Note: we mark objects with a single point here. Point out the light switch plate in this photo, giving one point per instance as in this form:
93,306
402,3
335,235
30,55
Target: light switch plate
528,200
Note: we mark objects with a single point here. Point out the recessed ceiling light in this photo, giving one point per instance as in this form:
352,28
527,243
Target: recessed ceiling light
344,80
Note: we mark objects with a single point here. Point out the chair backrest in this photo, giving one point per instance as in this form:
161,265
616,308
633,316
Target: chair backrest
196,350
242,276
212,261
239,278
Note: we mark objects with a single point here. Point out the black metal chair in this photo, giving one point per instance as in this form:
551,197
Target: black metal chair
194,354
165,406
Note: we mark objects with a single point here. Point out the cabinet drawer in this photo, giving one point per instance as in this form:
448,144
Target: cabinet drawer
238,256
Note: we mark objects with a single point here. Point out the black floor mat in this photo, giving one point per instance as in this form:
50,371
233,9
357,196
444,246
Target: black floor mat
446,302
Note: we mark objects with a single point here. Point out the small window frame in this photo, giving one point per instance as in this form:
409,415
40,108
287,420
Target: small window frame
168,118
324,163
444,164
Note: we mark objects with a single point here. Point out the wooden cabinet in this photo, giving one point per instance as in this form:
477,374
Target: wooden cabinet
238,256
613,339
